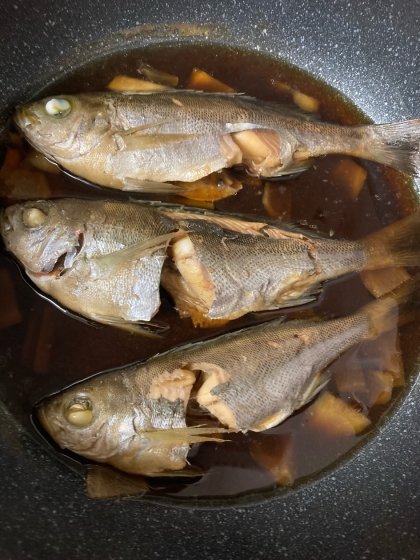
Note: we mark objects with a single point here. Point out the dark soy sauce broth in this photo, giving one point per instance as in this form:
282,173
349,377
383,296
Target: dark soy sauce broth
43,350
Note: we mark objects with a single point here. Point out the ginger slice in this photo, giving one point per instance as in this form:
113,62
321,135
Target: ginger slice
213,376
305,102
275,453
380,282
157,76
350,176
335,417
277,201
350,380
202,81
380,387
125,83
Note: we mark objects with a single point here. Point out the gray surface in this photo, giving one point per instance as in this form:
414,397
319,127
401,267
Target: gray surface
370,508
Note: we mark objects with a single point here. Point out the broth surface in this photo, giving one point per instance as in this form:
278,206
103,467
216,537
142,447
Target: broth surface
43,350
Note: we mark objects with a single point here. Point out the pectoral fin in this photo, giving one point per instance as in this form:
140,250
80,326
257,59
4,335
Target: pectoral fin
153,187
316,385
131,326
179,436
137,141
186,472
135,252
137,138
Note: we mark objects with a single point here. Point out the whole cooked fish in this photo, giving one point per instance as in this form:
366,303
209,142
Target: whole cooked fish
135,418
141,141
106,260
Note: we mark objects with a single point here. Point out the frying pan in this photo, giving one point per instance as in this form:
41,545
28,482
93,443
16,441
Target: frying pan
369,506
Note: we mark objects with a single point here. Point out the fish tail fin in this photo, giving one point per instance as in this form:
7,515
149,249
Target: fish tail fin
396,145
396,245
395,308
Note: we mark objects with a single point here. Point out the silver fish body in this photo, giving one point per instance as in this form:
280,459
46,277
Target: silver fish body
106,260
249,380
62,255
139,141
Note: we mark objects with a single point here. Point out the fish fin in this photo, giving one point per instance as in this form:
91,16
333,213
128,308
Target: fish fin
149,91
293,169
141,127
134,141
131,326
153,187
134,252
308,296
179,436
393,309
396,145
186,472
316,385
396,245
103,483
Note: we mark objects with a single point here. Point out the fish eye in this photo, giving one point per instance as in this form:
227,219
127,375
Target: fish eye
33,217
58,108
80,414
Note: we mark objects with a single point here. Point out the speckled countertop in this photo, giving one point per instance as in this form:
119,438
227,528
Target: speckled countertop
370,507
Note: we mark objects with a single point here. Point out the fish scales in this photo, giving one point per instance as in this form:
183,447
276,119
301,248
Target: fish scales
242,281
135,418
139,141
88,230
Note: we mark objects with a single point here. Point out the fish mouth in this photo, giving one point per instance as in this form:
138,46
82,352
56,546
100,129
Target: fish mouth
25,117
62,264
6,225
43,417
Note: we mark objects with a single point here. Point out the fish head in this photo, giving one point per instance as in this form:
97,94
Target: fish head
65,126
101,420
45,235
85,419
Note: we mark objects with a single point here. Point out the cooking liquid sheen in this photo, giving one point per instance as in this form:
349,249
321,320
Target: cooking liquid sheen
43,350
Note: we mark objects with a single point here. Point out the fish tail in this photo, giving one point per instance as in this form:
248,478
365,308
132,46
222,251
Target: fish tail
396,245
396,145
395,308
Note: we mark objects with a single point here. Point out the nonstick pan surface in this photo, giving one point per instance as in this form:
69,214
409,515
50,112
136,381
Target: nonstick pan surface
369,507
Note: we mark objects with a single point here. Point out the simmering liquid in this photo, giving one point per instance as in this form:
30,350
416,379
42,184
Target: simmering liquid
43,350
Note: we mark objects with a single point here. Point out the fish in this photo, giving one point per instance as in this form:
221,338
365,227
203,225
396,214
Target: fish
149,141
64,246
106,259
135,418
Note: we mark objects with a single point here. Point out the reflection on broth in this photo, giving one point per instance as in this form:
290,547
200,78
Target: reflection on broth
342,197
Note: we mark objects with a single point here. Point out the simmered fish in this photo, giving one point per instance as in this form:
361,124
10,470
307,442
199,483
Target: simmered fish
142,141
106,260
135,418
